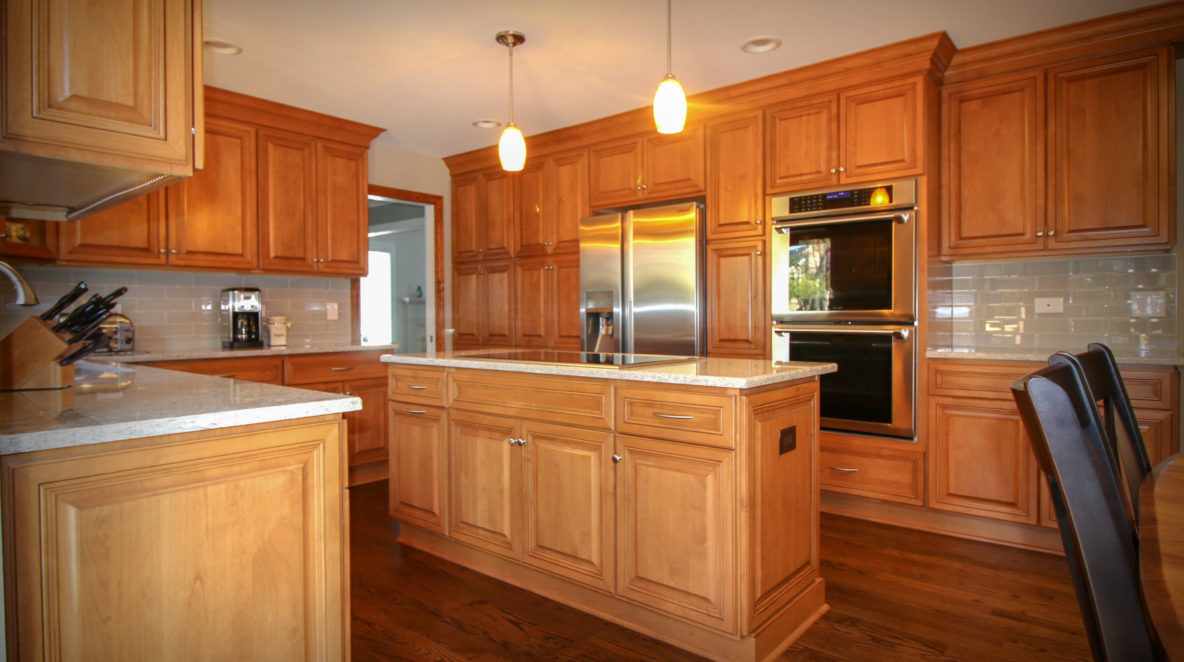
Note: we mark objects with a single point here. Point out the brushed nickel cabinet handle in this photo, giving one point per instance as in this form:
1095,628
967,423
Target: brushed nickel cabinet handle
416,387
348,367
845,470
416,411
680,417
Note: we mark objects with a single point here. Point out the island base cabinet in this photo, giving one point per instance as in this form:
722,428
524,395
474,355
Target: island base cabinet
221,545
417,465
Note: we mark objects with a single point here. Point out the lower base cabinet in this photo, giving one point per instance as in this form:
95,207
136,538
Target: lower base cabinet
698,527
210,545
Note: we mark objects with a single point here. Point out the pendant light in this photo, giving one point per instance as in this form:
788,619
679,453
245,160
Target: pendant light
670,102
511,149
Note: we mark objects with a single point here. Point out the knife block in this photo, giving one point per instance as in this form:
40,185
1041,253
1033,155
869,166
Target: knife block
29,358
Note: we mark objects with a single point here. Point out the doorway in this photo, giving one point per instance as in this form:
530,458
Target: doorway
396,300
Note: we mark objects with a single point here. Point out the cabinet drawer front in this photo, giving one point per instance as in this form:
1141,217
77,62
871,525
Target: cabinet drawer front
892,475
423,385
697,417
333,366
577,402
976,380
1154,389
264,369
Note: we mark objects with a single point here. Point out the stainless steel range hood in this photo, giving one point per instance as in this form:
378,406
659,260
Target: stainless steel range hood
48,189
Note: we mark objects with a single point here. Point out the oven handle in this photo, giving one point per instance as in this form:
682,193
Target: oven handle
785,226
903,334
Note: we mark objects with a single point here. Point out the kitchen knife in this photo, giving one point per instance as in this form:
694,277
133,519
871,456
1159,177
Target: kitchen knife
110,298
67,299
92,343
86,325
79,312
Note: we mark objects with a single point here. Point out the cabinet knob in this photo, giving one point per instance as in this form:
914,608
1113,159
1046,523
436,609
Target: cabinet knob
480,273
758,252
637,188
513,441
163,250
833,171
842,169
173,251
1039,234
617,458
1052,233
3,236
549,267
479,250
548,243
759,221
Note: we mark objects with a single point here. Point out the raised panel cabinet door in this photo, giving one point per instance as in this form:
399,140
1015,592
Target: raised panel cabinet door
735,176
615,174
532,281
466,212
993,166
675,165
343,219
737,313
530,226
368,426
131,232
1158,428
113,78
568,482
485,483
566,200
169,552
497,300
881,131
287,201
467,304
32,239
418,465
980,460
676,529
802,144
566,329
497,222
1109,139
212,218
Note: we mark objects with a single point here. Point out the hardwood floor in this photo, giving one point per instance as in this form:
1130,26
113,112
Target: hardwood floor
895,594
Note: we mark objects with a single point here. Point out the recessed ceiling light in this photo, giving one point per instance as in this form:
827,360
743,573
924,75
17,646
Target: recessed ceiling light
222,47
761,45
487,124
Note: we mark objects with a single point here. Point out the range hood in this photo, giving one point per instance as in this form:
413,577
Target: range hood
48,189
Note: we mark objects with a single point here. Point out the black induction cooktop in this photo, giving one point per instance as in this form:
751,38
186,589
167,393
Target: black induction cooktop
589,359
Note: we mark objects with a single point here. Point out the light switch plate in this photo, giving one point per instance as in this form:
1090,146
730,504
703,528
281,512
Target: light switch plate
331,311
1050,305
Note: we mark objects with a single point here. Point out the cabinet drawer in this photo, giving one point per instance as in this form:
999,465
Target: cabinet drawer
333,366
1153,389
870,470
422,385
263,369
682,416
553,399
976,380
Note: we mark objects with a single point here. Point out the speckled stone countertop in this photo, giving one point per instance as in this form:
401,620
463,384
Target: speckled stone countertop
700,371
143,357
113,402
1041,355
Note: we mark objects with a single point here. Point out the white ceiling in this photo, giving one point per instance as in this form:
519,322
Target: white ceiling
425,69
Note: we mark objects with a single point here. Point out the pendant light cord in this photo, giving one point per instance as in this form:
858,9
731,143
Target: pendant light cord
669,70
511,84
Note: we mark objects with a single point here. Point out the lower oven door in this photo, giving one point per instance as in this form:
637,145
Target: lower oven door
874,390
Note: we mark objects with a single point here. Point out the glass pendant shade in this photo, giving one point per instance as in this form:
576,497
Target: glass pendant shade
670,106
511,149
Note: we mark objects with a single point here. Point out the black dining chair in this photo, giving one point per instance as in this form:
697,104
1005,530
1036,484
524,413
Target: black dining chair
1099,371
1067,437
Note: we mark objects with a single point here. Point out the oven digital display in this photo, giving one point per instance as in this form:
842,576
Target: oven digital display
838,195
856,197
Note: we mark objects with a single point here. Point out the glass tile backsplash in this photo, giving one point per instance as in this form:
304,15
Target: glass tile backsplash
176,311
1127,302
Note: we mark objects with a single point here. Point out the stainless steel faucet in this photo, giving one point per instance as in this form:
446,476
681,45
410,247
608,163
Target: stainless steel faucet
24,292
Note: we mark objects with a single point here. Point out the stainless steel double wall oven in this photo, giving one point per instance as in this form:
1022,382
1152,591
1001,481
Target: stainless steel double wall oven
844,290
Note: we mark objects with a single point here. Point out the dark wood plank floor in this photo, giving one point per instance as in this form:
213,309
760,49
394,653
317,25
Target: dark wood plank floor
895,594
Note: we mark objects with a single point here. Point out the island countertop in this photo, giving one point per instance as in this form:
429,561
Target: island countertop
113,402
696,370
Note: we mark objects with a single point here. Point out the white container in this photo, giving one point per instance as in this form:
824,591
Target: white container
277,331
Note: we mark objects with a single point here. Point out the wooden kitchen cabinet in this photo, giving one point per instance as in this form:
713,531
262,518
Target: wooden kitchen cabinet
483,299
28,239
175,546
131,233
647,168
287,201
125,95
547,302
860,134
737,310
418,487
465,201
735,176
262,369
343,215
482,215
485,482
552,197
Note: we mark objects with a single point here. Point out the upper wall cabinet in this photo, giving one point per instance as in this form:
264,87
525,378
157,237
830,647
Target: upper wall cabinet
1070,159
99,97
735,176
482,215
860,134
552,198
649,168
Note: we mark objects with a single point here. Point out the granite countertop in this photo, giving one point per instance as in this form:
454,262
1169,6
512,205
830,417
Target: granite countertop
1040,355
143,357
113,402
700,371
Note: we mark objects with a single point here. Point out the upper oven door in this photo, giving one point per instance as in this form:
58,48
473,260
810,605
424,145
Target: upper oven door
845,269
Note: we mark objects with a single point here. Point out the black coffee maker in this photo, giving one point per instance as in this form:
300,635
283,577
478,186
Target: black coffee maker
242,318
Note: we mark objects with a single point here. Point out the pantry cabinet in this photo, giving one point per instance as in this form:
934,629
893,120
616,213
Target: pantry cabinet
552,197
482,301
482,215
647,168
859,134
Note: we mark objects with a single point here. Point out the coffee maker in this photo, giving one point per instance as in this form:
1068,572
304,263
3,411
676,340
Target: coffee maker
242,318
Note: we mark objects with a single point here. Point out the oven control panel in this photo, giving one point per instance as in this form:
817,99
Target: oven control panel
870,198
856,197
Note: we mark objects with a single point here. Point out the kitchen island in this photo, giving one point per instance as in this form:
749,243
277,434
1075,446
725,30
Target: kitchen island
676,496
154,514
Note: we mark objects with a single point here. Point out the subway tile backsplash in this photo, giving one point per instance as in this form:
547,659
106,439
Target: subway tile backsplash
177,311
1127,302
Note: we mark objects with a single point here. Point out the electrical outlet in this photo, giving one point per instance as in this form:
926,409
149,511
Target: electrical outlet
1148,304
331,311
1050,305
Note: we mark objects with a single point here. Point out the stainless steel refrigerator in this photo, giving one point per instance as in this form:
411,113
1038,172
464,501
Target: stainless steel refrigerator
641,281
